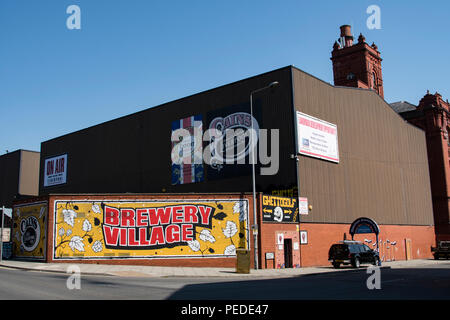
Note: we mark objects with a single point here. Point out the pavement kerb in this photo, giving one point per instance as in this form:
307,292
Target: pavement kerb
53,270
218,274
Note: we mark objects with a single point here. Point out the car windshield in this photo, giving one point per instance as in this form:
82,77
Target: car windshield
339,249
355,248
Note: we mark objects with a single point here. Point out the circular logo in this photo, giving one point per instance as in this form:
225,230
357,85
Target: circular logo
234,139
278,214
31,233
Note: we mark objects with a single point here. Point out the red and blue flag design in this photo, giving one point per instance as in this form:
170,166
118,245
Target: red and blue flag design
190,170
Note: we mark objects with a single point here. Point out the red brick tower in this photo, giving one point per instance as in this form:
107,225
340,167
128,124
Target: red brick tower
356,65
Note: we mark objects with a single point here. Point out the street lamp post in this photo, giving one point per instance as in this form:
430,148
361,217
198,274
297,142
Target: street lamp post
255,222
1,235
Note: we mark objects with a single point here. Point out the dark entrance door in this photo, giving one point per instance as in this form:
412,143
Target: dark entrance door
288,253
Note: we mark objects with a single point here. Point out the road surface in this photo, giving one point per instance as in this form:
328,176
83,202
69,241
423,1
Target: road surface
409,283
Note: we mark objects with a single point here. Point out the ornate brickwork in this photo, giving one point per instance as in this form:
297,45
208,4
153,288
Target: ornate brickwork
356,65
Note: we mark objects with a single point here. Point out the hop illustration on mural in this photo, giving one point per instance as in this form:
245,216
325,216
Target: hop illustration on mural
97,246
96,208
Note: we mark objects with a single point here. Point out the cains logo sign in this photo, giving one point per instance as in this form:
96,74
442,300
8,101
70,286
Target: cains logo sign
234,139
152,228
31,233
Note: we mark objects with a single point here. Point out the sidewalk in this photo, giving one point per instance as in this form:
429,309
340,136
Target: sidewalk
155,271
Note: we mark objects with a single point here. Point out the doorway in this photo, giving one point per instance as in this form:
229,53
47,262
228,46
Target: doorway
288,253
408,249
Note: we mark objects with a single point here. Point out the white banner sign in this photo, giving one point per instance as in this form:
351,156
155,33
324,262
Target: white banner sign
6,234
55,171
303,205
317,138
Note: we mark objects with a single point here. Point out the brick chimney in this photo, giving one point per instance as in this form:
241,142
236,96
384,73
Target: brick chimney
346,35
356,65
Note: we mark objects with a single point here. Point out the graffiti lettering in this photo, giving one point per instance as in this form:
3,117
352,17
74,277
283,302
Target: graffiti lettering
145,228
158,216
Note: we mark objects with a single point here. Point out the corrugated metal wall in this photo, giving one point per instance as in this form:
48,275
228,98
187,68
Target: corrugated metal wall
133,153
383,169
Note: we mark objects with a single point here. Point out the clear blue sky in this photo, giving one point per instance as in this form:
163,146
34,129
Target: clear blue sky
134,54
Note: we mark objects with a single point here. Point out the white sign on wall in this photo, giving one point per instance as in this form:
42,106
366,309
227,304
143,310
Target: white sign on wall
303,205
6,234
304,237
280,238
317,138
55,171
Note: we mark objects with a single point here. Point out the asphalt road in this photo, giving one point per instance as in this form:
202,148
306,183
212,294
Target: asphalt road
432,283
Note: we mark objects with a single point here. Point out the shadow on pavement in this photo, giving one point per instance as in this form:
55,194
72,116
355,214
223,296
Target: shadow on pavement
396,284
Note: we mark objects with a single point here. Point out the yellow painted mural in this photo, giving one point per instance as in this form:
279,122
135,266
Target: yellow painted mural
149,229
29,230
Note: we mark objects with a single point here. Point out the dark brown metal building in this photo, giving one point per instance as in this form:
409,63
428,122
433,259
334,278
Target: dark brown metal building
382,172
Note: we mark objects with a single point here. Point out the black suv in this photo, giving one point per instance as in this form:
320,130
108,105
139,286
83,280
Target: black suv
352,252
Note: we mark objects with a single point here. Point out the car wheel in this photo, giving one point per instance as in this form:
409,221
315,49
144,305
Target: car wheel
376,261
336,265
356,263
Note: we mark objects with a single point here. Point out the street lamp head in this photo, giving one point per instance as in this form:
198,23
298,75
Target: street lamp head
274,84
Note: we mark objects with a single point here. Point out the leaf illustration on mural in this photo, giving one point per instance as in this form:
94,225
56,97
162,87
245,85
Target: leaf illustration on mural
76,243
205,235
194,245
220,216
230,250
230,229
69,217
87,226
